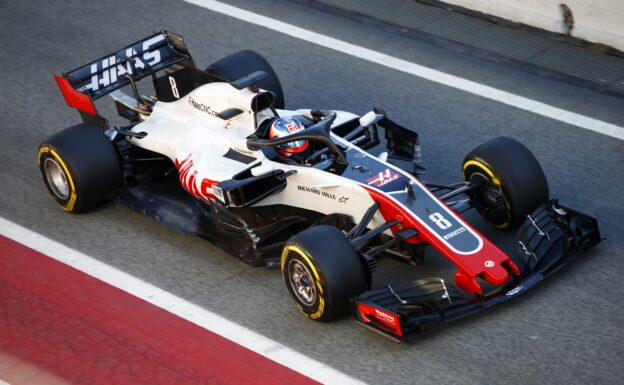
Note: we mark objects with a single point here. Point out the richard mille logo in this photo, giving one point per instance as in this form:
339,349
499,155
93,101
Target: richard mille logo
316,191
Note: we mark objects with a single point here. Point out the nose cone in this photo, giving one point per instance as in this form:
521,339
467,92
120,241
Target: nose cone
494,273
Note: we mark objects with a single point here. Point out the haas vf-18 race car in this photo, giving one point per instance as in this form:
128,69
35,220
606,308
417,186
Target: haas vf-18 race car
214,153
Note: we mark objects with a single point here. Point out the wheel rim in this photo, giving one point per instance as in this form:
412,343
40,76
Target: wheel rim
55,175
493,205
302,282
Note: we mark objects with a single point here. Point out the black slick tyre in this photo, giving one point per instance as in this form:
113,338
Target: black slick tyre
243,63
514,184
80,167
322,272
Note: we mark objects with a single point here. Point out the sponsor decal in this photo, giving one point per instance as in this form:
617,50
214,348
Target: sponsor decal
292,126
489,263
189,180
383,178
244,151
313,190
112,69
343,199
228,124
513,291
454,233
385,317
202,107
389,320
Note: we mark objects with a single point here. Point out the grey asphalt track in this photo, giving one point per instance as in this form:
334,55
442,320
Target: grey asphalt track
567,331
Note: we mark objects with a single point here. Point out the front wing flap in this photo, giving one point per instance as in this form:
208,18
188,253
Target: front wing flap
549,238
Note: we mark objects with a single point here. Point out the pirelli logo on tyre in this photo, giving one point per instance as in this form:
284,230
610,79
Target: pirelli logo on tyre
49,160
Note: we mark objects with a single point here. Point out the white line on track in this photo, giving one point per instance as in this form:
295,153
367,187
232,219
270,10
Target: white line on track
176,305
475,88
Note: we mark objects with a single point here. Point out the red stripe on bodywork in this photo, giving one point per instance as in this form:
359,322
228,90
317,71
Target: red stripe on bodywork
470,266
74,98
70,325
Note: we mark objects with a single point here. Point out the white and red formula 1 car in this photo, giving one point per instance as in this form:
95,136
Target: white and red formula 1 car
213,152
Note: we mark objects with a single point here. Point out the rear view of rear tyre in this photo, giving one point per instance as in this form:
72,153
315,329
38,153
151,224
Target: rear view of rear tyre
80,167
243,63
514,184
322,272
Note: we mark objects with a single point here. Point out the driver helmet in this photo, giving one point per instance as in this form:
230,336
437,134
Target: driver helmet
283,127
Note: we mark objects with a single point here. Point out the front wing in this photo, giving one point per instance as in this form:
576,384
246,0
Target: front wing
549,238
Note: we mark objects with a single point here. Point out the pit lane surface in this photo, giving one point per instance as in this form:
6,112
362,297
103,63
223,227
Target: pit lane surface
567,331
77,327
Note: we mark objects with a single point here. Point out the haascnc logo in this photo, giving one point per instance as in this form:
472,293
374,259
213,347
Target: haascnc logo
202,107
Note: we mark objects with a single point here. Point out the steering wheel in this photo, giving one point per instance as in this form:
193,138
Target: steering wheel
318,132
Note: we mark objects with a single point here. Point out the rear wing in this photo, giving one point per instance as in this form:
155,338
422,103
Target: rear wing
83,85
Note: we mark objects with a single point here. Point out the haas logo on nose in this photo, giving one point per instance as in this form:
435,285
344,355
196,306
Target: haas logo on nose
383,178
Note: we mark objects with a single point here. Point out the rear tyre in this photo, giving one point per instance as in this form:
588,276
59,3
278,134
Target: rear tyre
242,63
514,184
80,167
322,272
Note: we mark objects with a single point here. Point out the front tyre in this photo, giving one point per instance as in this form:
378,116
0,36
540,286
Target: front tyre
513,183
80,167
322,272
